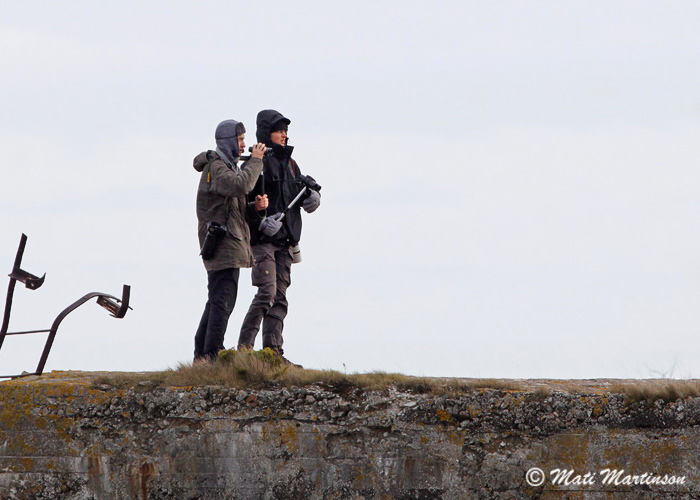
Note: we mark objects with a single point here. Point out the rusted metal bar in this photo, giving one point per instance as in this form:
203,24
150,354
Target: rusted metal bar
25,374
27,332
116,307
102,299
18,274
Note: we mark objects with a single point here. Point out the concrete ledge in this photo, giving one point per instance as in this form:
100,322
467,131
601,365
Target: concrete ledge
63,436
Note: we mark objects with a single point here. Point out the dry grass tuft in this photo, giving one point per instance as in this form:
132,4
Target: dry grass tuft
653,390
263,369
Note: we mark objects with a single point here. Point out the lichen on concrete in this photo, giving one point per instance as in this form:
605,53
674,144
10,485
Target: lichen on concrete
66,437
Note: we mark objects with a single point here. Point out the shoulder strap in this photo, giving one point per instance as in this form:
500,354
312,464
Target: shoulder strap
211,156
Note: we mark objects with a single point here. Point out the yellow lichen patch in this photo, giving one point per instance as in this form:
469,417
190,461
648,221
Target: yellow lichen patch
18,402
572,449
443,416
62,427
26,463
358,478
474,411
597,410
649,454
456,438
282,434
17,445
319,436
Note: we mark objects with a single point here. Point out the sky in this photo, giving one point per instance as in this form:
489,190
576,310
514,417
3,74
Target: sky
510,189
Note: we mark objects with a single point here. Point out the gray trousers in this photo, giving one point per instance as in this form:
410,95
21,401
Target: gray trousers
272,276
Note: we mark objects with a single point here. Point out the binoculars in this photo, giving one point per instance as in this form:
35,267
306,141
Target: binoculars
268,151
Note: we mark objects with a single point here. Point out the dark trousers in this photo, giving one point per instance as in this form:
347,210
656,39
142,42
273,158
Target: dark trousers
223,289
272,276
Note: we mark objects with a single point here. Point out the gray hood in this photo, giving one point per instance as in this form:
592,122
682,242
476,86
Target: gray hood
226,136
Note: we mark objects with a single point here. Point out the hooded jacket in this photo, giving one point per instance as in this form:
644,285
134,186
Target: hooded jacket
280,182
221,197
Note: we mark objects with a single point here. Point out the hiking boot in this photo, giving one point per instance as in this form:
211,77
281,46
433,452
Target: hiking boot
279,352
286,361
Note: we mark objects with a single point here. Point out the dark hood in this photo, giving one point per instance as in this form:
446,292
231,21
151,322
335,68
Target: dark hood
226,136
201,160
266,119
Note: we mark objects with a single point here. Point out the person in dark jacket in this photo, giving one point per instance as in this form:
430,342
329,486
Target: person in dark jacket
272,239
221,200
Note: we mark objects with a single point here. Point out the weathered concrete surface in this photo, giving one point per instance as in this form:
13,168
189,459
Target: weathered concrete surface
69,439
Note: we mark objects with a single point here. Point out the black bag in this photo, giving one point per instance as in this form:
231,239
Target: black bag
215,234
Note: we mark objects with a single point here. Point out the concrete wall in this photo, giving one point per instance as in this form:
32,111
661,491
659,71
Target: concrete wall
71,439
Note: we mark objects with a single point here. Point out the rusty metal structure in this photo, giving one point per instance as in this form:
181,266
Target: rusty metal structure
116,307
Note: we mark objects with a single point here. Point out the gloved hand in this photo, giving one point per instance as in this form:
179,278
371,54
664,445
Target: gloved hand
312,202
270,226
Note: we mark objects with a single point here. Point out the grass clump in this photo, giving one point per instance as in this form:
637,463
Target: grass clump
265,369
653,390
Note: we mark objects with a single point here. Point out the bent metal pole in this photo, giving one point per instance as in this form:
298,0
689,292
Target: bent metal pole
116,307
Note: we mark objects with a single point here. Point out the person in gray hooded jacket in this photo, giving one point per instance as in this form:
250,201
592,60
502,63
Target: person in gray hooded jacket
221,200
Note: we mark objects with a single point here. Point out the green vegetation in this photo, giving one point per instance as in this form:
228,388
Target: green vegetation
264,369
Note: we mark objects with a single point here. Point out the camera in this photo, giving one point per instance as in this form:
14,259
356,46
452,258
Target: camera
310,182
215,233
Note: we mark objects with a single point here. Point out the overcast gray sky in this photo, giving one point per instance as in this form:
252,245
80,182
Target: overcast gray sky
510,189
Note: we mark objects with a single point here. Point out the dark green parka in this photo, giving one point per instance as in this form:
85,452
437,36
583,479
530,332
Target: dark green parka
221,197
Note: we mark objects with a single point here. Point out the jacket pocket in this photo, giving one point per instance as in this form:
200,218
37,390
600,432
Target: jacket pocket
233,230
